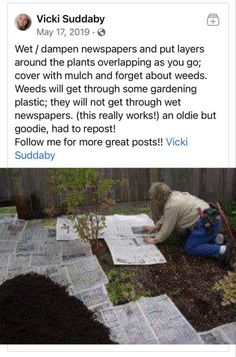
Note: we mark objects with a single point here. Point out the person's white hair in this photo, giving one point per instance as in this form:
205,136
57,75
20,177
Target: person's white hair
159,191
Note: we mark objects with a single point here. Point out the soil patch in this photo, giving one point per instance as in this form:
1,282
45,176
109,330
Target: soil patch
35,310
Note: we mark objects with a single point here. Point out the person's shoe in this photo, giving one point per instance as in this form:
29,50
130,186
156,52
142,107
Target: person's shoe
219,239
226,256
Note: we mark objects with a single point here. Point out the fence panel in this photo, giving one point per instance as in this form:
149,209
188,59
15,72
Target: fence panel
32,193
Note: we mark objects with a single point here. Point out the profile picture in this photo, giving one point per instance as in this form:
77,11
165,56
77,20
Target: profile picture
23,22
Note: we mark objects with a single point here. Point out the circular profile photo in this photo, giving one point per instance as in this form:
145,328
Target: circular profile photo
23,22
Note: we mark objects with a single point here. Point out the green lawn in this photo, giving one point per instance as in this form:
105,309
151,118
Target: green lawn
8,210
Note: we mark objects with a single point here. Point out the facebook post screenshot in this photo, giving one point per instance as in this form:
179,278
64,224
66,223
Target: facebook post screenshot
119,85
118,177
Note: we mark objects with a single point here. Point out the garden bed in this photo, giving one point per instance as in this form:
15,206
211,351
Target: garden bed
188,281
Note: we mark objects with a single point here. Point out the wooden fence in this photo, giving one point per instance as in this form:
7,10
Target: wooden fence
31,192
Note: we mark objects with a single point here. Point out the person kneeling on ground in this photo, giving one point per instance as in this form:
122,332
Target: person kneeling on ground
181,213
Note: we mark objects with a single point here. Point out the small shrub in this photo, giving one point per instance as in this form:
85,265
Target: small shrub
84,194
228,287
121,288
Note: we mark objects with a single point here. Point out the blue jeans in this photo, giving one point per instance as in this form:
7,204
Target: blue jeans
201,242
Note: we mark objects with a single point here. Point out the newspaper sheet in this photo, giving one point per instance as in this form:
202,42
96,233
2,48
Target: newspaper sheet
169,325
137,219
86,273
47,253
224,334
125,224
128,325
5,218
40,230
149,320
26,246
7,247
56,274
3,276
74,249
110,229
30,269
128,247
122,225
133,251
96,309
4,261
12,230
65,230
17,264
95,298
32,231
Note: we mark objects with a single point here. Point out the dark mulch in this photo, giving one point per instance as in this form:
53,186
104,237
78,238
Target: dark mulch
188,281
34,310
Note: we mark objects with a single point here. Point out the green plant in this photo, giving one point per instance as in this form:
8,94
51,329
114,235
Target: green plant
84,193
122,289
231,213
228,287
233,222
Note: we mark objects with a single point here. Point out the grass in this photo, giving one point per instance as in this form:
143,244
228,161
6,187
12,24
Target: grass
8,210
129,210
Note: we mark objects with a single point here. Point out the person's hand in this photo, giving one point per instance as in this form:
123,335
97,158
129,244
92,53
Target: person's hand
149,240
148,229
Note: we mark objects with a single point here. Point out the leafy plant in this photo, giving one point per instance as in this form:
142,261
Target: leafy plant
231,213
228,287
121,288
84,193
233,222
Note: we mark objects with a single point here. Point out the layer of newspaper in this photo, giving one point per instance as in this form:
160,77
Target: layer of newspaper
119,225
65,229
26,246
133,251
95,299
40,230
37,250
57,274
86,273
4,261
125,224
128,247
7,247
169,325
128,325
71,250
47,253
12,231
224,334
149,320
18,264
5,218
110,229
